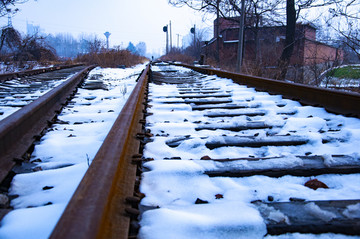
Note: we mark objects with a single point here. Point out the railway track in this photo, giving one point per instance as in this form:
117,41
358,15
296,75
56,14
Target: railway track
245,190
22,88
12,75
51,170
216,145
199,156
21,128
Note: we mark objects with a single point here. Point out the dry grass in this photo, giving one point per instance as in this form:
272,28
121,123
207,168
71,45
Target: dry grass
176,56
227,63
112,58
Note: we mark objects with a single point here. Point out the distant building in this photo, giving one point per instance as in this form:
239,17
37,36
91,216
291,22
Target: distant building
264,45
32,29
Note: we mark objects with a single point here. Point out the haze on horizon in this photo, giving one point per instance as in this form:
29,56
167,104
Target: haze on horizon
135,21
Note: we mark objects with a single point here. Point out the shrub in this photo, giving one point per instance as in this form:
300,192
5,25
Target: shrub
348,72
111,58
177,55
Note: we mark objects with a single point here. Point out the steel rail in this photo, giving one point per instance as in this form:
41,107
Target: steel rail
12,75
302,220
17,131
334,101
97,208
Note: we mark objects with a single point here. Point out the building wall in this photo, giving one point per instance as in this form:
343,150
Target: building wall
263,48
265,44
226,24
316,53
309,32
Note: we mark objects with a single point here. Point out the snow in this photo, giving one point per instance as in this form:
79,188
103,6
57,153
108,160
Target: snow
306,121
73,143
176,184
319,213
183,185
29,65
175,179
30,186
203,221
172,187
312,236
328,160
352,211
12,103
329,82
272,214
30,222
286,161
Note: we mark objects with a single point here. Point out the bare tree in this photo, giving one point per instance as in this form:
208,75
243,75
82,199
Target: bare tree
95,45
293,11
257,13
284,60
9,38
7,6
319,62
34,48
345,19
261,13
195,42
229,8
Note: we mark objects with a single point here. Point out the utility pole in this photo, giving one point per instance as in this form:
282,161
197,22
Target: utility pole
241,38
170,37
178,36
217,31
107,35
193,31
165,29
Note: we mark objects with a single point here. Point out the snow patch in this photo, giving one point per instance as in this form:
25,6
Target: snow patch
352,211
328,160
270,213
319,213
203,221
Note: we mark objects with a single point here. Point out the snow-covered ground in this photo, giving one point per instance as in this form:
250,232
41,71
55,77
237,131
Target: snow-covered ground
172,186
330,81
10,103
9,68
63,155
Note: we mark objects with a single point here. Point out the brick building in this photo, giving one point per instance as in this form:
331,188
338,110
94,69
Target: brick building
264,46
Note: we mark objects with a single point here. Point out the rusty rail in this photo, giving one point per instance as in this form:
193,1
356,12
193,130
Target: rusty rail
97,209
334,101
12,75
301,220
17,131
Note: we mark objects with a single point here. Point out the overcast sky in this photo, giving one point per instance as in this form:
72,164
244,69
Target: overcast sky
126,20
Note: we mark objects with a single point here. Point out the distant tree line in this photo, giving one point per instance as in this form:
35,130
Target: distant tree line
25,52
67,46
39,47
